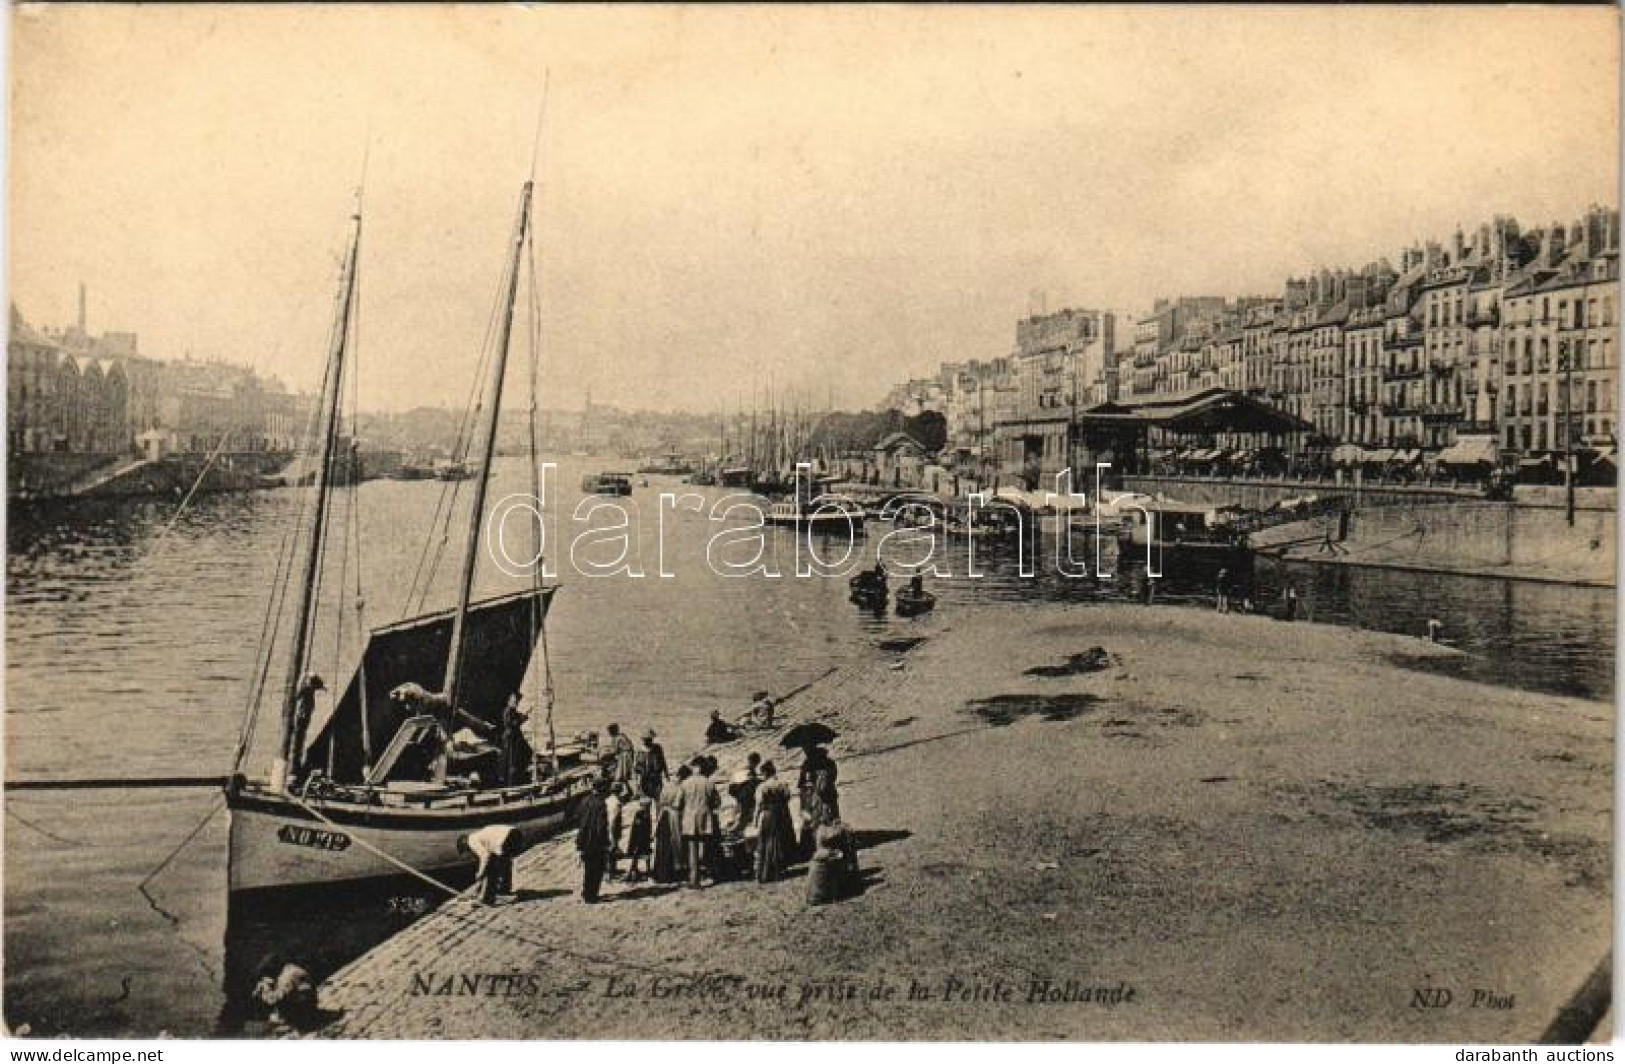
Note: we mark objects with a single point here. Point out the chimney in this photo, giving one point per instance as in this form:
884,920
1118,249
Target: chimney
1357,291
1460,248
1554,244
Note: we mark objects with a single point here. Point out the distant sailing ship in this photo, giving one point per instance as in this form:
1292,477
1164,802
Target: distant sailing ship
378,787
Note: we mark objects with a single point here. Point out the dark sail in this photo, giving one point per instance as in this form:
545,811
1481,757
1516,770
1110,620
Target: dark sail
500,635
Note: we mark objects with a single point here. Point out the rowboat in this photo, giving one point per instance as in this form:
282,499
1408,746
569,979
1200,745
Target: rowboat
911,603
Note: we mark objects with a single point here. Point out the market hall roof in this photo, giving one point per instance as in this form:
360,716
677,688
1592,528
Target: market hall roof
1209,410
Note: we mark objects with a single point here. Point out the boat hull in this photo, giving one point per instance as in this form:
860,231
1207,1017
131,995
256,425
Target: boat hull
278,842
822,525
913,605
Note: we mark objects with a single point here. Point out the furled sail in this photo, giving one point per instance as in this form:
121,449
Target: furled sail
500,636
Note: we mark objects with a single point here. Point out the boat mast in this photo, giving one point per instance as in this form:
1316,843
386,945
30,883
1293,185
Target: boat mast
298,661
493,403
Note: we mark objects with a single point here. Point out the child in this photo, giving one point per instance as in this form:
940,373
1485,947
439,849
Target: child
639,836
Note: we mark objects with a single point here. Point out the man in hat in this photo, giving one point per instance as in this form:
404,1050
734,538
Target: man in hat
650,767
697,804
593,839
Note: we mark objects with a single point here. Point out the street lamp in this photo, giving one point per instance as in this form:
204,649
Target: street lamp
1566,364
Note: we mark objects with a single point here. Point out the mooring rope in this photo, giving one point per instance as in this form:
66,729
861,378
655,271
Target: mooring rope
376,851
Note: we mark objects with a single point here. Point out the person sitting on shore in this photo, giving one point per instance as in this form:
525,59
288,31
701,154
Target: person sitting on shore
719,730
287,991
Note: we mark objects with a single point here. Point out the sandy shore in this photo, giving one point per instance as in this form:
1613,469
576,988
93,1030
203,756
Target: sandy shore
1239,830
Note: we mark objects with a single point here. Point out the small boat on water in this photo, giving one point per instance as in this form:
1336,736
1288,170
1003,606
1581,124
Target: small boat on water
450,469
734,477
606,484
1179,535
912,603
425,742
827,517
868,589
668,465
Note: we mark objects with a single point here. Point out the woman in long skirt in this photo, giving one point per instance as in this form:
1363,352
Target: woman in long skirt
775,837
669,863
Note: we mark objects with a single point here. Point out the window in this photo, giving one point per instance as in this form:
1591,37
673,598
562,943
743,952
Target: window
1591,396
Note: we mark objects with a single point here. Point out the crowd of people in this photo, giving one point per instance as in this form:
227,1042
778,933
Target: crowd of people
647,821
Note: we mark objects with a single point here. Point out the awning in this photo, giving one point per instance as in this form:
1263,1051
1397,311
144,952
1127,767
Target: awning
1607,456
1346,454
1378,456
1532,463
1407,456
1471,450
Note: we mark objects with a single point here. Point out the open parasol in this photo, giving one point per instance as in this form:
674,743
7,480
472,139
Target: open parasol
811,733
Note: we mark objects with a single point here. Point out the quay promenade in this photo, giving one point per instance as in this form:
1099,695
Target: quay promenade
1429,527
1222,835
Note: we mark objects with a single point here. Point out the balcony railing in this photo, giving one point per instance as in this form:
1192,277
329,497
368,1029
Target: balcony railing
1401,373
1440,412
1490,316
1412,340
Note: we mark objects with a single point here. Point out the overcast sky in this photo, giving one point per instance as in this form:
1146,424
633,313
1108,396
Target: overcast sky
826,200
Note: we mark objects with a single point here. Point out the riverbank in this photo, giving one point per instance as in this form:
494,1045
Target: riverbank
1418,529
1238,830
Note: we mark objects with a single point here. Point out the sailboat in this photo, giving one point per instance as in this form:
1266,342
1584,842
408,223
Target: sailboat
375,788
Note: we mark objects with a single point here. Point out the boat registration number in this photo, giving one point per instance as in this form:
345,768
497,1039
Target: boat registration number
318,838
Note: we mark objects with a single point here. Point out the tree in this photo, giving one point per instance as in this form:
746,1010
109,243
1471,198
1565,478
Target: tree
930,428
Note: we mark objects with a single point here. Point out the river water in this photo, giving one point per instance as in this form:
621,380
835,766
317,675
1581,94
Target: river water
131,636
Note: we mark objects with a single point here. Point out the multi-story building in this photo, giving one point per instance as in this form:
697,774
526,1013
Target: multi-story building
1558,340
1362,377
1501,333
59,402
69,391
